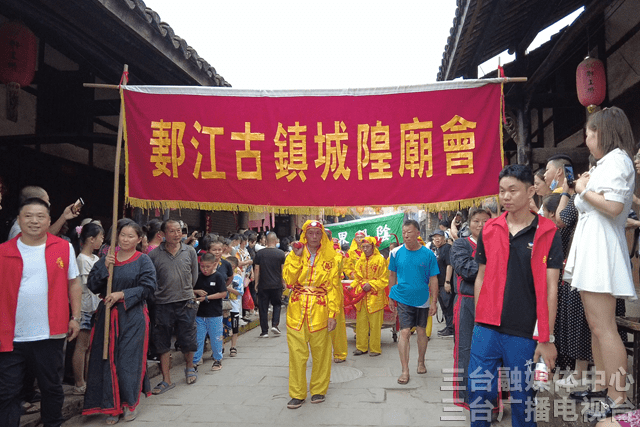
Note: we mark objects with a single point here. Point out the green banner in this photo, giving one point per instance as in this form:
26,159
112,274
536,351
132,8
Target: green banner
382,226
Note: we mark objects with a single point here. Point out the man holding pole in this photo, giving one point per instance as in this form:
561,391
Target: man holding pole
312,271
40,282
177,271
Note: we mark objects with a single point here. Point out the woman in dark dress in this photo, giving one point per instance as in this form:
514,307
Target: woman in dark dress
114,385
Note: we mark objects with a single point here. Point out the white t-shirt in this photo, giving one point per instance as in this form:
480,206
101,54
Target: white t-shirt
90,301
32,311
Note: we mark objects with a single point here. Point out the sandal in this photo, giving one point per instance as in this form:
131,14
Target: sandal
162,387
30,408
233,352
422,370
403,380
336,360
79,391
130,415
112,419
191,375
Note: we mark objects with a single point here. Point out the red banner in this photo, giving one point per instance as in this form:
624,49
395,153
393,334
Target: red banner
435,146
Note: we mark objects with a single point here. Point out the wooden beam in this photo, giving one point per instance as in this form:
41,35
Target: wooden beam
559,50
105,124
105,107
83,141
577,154
624,39
544,8
554,100
524,134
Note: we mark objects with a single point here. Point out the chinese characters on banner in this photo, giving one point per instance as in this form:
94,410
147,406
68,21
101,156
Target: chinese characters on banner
215,148
383,227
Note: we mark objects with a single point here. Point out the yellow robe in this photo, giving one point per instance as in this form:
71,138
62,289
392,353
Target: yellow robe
353,255
370,309
314,295
313,300
339,334
372,270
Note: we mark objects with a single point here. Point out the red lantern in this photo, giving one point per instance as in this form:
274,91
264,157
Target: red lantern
18,55
591,83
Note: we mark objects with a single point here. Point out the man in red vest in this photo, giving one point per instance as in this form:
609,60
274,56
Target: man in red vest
39,282
519,257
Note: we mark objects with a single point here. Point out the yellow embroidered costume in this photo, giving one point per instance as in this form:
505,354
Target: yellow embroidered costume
339,334
372,270
353,255
313,300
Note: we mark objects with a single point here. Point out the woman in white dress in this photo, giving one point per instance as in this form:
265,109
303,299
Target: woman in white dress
598,263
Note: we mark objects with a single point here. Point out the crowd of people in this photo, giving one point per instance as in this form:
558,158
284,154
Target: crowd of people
518,285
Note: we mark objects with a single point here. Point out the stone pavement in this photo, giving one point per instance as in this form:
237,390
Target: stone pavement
252,390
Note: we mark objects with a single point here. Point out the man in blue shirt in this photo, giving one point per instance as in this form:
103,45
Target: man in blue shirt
413,276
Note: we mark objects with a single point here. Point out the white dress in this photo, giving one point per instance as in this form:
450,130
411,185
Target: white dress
598,260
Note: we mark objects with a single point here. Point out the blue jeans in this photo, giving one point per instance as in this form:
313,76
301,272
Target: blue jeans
489,350
213,327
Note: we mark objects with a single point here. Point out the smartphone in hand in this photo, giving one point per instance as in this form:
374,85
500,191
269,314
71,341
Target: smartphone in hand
77,206
568,173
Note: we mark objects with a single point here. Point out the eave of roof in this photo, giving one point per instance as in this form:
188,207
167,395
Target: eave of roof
484,28
166,41
102,35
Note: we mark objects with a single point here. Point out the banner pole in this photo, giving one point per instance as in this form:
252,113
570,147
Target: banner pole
496,80
114,223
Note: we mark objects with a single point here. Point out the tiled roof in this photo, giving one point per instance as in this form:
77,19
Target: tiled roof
180,44
484,28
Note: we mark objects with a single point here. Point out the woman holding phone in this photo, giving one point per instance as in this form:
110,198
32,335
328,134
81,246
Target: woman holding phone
598,263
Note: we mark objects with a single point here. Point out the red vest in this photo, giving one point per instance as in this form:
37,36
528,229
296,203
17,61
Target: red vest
495,236
57,260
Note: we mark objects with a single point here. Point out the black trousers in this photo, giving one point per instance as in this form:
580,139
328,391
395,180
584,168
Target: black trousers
446,304
45,358
266,296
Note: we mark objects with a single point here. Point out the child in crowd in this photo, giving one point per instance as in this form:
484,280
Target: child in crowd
227,250
236,290
91,238
209,289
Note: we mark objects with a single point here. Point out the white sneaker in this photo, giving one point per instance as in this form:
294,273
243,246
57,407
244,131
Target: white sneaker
241,322
570,382
276,330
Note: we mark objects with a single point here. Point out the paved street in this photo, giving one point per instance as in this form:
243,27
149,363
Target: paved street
251,390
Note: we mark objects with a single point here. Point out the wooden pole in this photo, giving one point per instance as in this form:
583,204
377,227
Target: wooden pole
114,223
496,80
100,86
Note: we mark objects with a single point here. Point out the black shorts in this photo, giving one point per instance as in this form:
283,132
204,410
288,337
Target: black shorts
182,315
235,322
412,316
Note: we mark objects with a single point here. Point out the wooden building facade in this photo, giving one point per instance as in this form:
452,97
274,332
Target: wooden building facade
65,135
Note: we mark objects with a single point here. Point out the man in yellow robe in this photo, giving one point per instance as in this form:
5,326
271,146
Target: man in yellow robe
339,334
354,254
372,279
312,272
